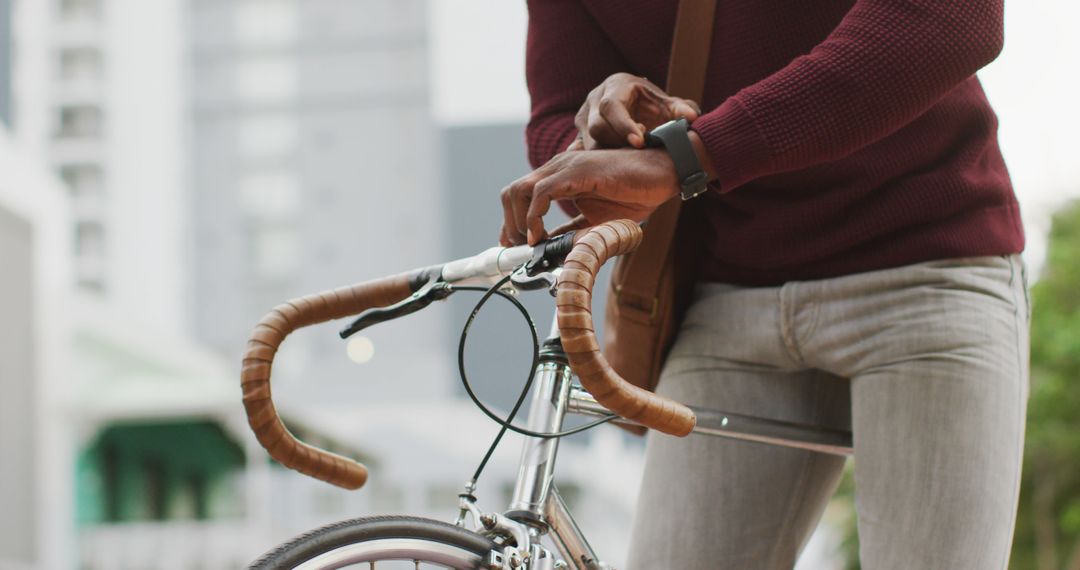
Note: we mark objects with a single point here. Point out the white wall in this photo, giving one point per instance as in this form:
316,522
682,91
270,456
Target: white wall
29,193
478,61
142,93
144,165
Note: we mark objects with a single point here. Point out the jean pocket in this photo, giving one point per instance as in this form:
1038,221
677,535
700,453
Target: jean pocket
1024,283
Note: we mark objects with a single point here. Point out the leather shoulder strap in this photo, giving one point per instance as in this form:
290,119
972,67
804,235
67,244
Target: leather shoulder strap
690,47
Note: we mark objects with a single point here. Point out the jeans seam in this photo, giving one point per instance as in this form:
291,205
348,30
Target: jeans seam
1020,402
787,322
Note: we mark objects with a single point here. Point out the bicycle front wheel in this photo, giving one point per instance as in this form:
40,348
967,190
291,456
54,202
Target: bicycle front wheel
393,543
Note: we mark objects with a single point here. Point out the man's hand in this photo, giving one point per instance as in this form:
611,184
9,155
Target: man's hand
623,108
604,184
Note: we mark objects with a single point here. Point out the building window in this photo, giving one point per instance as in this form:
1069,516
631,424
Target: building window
80,9
84,180
270,196
110,481
89,239
266,136
277,252
79,121
265,23
154,488
196,484
80,64
266,79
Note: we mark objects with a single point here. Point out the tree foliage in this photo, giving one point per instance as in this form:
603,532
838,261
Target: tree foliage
1048,526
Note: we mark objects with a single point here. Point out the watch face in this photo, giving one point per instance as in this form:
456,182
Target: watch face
655,137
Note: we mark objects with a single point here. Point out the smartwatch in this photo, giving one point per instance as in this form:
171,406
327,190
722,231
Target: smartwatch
674,138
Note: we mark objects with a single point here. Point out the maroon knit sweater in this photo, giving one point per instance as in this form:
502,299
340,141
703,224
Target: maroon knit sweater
850,135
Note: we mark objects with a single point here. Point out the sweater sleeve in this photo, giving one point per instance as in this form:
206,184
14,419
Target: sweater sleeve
887,62
567,54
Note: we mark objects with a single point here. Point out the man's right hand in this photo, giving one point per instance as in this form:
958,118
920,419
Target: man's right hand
623,108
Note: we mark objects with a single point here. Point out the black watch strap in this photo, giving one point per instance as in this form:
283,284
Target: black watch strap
674,137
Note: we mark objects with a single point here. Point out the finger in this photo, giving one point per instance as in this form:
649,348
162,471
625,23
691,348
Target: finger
538,207
554,187
661,107
602,133
519,201
637,140
581,120
579,222
578,144
683,108
614,108
503,241
509,226
598,128
588,138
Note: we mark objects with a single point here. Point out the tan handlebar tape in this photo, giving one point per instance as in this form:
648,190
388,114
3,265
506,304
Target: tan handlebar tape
574,301
259,356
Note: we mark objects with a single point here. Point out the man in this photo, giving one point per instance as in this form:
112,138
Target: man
860,266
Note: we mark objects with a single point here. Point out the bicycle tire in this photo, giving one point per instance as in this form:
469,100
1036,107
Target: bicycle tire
352,541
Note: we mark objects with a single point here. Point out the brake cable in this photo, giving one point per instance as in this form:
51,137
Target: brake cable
506,424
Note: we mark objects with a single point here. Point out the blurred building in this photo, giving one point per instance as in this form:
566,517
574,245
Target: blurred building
313,165
5,61
35,491
98,92
220,157
480,160
165,472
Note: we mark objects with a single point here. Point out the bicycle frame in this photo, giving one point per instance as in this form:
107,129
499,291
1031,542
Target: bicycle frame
537,509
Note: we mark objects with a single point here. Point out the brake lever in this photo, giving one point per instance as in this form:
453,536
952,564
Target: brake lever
433,291
533,275
525,282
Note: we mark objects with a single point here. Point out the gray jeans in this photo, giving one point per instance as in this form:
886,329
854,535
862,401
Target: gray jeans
926,364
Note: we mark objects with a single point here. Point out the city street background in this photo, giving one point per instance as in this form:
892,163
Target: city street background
170,170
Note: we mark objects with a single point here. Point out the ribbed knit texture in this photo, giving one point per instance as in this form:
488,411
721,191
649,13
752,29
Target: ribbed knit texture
849,135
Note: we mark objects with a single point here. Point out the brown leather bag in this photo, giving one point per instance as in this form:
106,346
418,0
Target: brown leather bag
651,286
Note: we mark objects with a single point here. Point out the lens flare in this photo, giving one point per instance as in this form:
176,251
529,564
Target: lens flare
360,349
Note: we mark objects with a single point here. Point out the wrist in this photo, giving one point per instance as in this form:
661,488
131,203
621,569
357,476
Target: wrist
704,158
674,138
661,161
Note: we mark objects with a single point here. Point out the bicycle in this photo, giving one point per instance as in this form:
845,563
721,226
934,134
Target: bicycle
511,539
